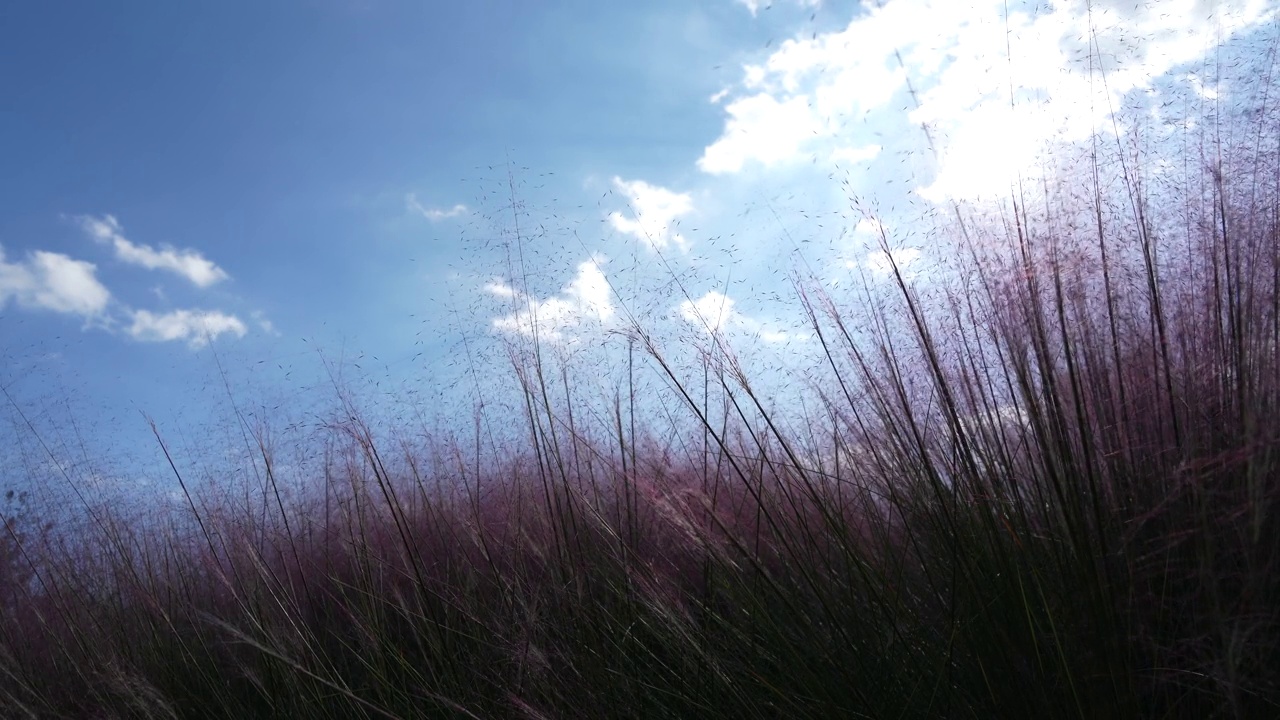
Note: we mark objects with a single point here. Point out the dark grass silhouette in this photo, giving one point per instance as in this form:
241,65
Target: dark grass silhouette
1045,485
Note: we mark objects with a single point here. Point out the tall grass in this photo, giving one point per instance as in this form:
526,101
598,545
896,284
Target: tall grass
1039,480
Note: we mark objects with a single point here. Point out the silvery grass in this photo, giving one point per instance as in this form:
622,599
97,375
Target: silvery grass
1041,483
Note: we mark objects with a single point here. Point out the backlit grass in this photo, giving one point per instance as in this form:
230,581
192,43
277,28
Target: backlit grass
1037,480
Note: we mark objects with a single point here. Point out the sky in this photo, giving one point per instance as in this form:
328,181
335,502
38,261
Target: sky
213,206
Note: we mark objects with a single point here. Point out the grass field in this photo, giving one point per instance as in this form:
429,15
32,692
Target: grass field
1037,481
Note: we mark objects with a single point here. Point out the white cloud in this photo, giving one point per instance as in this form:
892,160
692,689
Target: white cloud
55,282
190,264
1208,93
197,327
874,227
711,312
962,57
264,322
869,231
52,281
500,288
433,214
760,127
585,301
879,264
714,313
654,213
854,155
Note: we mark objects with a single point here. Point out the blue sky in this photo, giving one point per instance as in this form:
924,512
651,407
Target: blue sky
254,186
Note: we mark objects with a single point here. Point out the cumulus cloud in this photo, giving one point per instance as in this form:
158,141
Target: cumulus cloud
854,155
1200,89
190,264
962,57
196,327
873,231
500,289
760,127
881,263
434,214
714,313
52,281
654,213
585,302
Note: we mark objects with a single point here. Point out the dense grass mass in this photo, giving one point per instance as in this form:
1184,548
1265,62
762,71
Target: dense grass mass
1037,480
